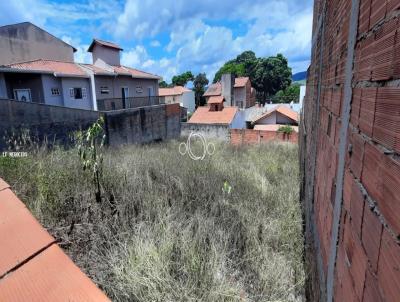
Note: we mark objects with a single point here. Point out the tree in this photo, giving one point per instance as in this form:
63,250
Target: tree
267,75
290,94
199,84
271,75
164,84
182,79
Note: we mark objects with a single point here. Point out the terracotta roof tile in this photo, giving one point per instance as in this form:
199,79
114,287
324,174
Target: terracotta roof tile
21,235
282,110
124,70
203,115
241,82
49,277
217,99
104,43
49,66
32,266
3,185
213,89
177,90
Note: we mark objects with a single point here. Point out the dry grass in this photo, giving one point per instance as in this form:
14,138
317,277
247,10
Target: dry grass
166,229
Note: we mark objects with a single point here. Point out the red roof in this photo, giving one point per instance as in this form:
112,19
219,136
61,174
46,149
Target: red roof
241,82
214,89
203,115
121,70
32,266
293,115
215,99
103,43
50,66
177,90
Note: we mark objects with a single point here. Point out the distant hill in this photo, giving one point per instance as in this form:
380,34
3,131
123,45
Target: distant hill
299,76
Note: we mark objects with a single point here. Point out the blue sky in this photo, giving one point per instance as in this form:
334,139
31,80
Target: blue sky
169,37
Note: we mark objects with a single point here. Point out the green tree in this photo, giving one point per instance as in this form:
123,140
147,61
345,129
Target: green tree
271,75
182,79
199,84
290,94
164,84
267,75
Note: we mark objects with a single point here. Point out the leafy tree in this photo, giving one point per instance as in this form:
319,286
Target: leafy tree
182,79
290,94
164,84
268,75
271,75
199,84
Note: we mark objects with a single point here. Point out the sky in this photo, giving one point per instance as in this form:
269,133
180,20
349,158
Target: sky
168,37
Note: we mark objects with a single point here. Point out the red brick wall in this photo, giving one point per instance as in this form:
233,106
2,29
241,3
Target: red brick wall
250,136
367,262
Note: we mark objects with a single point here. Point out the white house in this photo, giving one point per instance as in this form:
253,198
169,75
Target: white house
178,94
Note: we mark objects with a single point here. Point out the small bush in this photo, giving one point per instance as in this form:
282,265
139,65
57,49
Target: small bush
286,129
227,228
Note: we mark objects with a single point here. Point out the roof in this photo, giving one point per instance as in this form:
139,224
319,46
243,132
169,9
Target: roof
253,112
177,90
213,89
203,115
273,127
241,82
121,70
216,99
103,43
49,66
282,110
31,24
32,265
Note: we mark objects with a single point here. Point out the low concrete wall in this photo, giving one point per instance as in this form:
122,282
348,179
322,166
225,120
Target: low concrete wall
208,130
143,125
53,123
250,136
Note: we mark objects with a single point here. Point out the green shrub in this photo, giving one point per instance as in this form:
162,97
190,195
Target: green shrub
286,129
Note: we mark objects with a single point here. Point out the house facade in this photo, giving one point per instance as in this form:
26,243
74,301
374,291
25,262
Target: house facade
180,95
52,77
236,91
276,117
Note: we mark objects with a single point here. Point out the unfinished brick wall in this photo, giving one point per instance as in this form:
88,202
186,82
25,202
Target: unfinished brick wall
251,136
349,152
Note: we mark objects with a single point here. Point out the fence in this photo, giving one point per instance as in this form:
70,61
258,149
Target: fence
128,103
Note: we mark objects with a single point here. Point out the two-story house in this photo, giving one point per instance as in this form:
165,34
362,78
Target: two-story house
37,67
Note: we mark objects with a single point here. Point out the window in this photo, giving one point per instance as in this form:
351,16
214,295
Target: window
55,91
77,93
104,90
139,89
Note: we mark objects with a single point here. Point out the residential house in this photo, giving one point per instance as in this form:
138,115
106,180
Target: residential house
217,114
276,117
118,86
236,91
178,94
38,67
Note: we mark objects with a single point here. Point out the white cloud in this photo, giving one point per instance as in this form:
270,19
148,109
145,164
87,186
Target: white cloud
155,43
81,55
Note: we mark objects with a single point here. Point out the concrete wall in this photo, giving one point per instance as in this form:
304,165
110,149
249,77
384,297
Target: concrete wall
115,85
143,125
249,136
350,147
109,55
85,103
43,121
26,42
239,121
188,101
214,131
49,82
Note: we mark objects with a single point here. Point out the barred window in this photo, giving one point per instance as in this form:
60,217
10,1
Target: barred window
55,91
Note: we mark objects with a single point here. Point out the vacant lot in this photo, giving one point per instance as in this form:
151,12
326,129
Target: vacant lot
169,228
